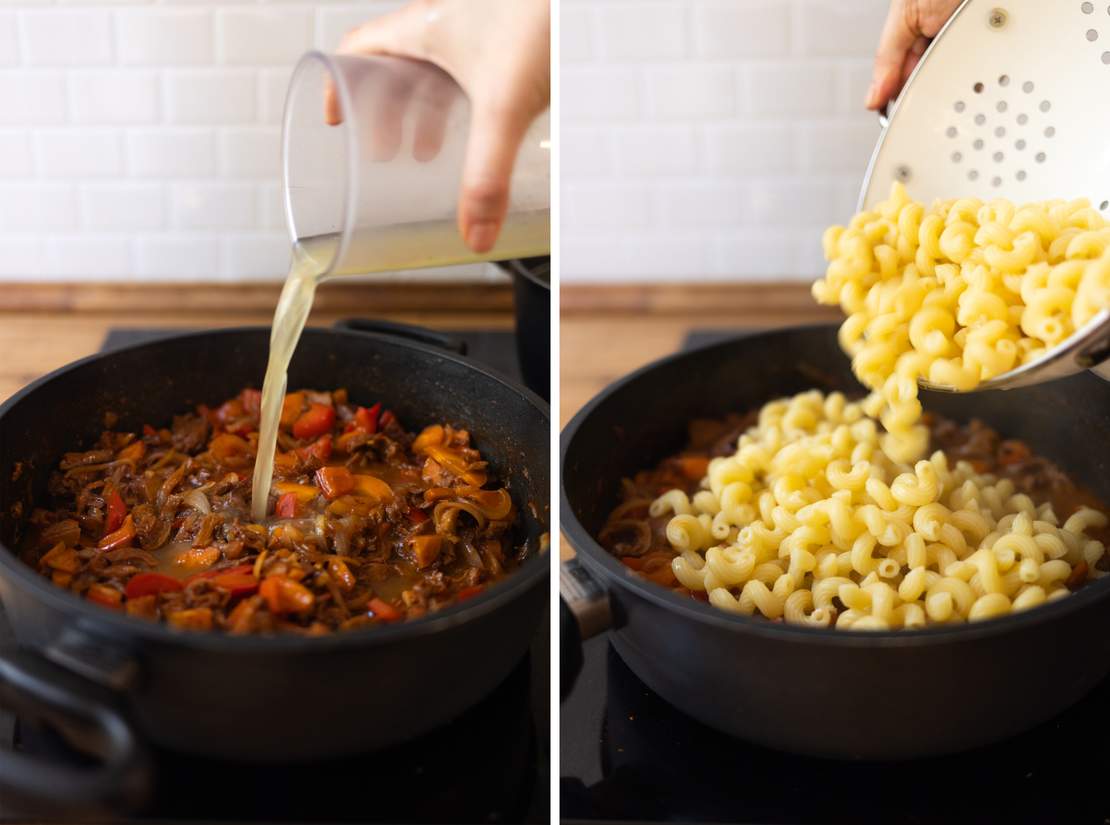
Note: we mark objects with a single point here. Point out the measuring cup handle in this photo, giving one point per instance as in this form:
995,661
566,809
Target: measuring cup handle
396,329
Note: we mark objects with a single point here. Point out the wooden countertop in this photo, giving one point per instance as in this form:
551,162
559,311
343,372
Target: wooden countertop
44,326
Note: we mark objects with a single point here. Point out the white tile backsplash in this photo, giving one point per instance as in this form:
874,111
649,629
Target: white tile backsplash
142,138
711,138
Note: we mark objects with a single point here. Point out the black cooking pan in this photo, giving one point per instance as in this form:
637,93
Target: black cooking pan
113,683
532,308
823,692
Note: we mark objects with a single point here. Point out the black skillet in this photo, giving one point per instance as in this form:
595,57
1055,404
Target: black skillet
112,684
889,695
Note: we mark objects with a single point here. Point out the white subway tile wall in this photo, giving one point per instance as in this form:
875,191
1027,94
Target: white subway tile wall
140,139
711,139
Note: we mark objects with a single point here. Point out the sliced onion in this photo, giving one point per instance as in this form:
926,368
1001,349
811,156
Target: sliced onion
68,532
198,501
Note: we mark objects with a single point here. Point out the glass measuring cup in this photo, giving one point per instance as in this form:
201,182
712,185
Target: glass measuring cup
378,191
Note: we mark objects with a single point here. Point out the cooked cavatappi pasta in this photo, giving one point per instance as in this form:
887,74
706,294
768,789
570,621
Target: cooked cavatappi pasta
805,518
958,293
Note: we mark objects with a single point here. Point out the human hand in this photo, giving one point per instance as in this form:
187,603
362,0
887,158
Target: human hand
910,25
499,52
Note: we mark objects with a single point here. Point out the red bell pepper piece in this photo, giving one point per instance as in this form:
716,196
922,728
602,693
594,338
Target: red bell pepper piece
149,430
384,610
238,584
367,419
314,423
287,506
120,537
116,511
149,584
417,516
334,481
320,448
387,418
210,574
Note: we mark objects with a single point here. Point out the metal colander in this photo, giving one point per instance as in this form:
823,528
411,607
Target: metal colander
1009,100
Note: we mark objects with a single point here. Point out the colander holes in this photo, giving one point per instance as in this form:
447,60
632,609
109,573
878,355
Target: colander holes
1039,157
1022,119
977,88
980,120
978,144
1045,106
1021,174
997,157
959,107
1019,144
957,157
1001,106
1092,35
1004,80
1104,204
1106,58
1050,131
1000,131
950,131
973,175
996,181
1087,8
1027,86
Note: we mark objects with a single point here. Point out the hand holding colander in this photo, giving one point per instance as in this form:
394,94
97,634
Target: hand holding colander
1009,99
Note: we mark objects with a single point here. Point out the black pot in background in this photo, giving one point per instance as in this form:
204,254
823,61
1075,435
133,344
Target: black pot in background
532,304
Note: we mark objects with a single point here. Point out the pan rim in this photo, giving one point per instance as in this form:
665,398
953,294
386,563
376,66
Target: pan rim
106,623
600,561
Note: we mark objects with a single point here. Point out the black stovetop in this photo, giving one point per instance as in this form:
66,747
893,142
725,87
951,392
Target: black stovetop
490,765
626,754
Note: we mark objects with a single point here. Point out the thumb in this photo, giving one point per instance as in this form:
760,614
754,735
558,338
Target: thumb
491,150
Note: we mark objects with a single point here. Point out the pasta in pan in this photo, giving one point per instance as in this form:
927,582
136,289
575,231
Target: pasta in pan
810,521
958,293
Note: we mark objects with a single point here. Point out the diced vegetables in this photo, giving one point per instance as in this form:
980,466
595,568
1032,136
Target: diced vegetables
366,419
119,538
62,558
384,610
227,448
335,481
320,449
144,607
494,504
318,420
286,506
431,435
372,487
195,618
104,595
116,511
341,574
291,409
304,493
198,557
283,595
425,549
132,452
149,584
198,501
238,581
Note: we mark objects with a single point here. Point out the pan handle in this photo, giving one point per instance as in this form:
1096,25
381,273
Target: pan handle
86,717
583,613
410,331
